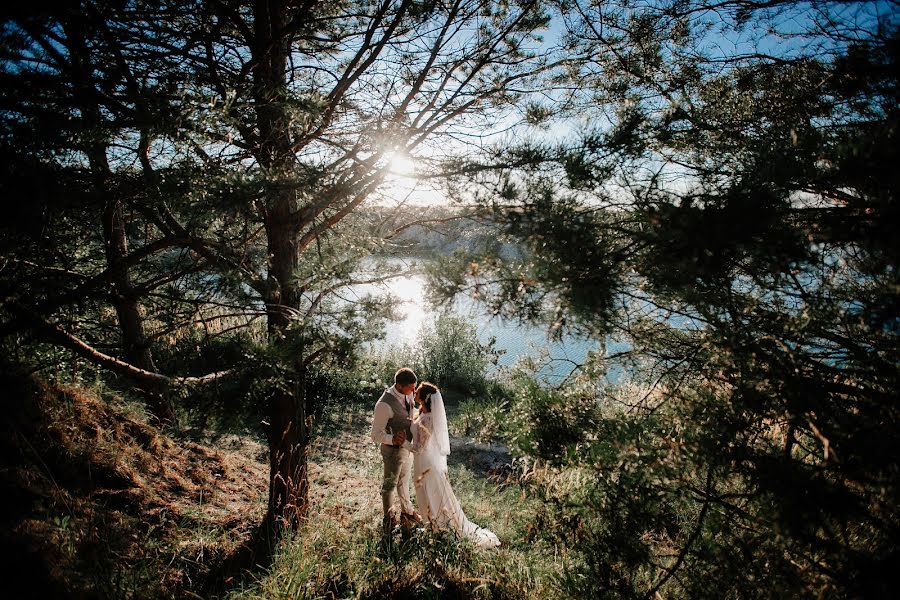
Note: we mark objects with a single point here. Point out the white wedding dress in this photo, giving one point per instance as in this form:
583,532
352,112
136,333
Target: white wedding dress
434,494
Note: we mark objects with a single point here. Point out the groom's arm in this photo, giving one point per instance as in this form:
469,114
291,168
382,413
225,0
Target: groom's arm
379,422
411,445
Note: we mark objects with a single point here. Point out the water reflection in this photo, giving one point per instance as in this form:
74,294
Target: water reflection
515,340
410,293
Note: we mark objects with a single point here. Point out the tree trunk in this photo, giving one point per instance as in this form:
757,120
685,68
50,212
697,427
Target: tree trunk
289,426
128,308
288,436
124,298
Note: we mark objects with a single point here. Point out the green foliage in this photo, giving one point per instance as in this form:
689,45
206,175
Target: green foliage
451,355
549,424
729,227
485,416
447,353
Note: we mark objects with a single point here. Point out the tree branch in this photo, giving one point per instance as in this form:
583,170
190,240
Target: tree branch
61,337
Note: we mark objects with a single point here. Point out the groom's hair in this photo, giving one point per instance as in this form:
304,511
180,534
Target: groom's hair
404,376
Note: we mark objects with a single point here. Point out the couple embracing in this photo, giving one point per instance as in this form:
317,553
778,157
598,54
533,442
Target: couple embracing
410,425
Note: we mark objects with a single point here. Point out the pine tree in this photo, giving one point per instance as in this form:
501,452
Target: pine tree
728,218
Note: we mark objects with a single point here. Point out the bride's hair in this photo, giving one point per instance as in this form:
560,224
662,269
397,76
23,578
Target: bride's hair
425,390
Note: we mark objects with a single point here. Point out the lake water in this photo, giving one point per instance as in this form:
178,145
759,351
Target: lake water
517,341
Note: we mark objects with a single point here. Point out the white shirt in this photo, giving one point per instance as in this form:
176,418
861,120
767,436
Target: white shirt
383,414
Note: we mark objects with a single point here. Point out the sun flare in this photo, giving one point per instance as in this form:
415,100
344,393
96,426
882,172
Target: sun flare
408,179
401,164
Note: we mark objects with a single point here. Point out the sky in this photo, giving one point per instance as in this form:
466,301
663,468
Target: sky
780,32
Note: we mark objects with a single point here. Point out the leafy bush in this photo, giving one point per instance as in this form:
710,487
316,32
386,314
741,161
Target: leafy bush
450,354
550,424
447,353
638,495
484,419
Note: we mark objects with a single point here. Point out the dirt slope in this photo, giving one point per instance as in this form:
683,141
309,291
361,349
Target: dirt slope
99,504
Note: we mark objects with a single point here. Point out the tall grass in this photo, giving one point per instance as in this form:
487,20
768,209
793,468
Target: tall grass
341,552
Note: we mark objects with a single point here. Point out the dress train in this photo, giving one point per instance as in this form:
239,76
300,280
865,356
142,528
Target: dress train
434,494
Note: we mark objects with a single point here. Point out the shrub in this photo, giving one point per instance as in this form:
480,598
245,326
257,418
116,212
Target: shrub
550,424
450,354
447,353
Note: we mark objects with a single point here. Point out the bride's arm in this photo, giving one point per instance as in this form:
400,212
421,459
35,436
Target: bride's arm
423,432
413,444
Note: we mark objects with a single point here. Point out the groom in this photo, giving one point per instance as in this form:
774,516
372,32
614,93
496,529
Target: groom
394,413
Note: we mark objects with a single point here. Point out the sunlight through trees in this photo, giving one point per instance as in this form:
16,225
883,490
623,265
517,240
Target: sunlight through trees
196,192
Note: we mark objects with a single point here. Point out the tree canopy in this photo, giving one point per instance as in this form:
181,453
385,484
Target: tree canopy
190,185
726,211
196,163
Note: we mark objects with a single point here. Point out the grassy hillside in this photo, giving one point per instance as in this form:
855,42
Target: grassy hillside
104,505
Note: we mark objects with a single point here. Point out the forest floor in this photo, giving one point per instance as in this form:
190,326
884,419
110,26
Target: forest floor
103,505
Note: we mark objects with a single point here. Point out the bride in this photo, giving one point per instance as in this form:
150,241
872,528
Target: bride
434,495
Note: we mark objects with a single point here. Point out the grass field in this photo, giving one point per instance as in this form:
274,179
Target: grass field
341,553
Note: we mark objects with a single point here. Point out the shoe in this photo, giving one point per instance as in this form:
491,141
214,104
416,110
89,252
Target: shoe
412,519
